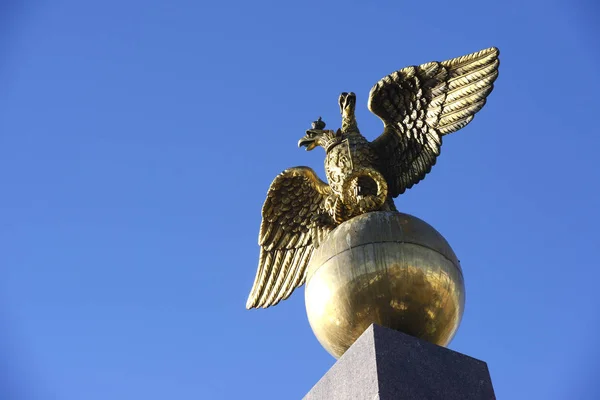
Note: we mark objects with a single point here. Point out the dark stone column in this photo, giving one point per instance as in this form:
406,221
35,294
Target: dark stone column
386,364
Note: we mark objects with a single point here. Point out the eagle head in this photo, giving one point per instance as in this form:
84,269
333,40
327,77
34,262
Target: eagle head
347,102
318,136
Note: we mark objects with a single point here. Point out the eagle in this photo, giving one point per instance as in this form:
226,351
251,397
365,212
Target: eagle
418,106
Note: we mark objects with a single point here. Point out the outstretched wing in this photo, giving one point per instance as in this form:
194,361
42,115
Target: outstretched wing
420,104
293,222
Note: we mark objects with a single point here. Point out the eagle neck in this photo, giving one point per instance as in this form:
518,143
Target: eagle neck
331,140
349,124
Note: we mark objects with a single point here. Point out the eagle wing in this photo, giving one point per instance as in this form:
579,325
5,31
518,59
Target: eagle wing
420,104
293,223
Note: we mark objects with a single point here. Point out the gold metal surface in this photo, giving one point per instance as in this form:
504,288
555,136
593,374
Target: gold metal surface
418,105
387,268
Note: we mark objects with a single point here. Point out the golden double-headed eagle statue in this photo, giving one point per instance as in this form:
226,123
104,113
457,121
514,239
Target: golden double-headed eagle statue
418,106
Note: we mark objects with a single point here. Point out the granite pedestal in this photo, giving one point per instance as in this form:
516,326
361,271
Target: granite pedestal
386,364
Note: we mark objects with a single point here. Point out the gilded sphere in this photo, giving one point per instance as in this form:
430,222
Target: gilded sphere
387,268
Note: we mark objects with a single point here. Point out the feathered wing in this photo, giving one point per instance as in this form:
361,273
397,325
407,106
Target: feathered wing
293,222
420,104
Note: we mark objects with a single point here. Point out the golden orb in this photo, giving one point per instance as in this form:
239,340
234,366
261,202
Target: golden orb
387,268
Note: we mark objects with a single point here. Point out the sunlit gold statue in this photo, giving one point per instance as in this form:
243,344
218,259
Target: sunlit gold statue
398,286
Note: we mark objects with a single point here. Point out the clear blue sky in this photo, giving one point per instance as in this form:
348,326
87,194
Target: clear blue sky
138,140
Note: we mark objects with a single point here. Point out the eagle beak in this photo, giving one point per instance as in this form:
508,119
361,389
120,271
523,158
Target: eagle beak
309,142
